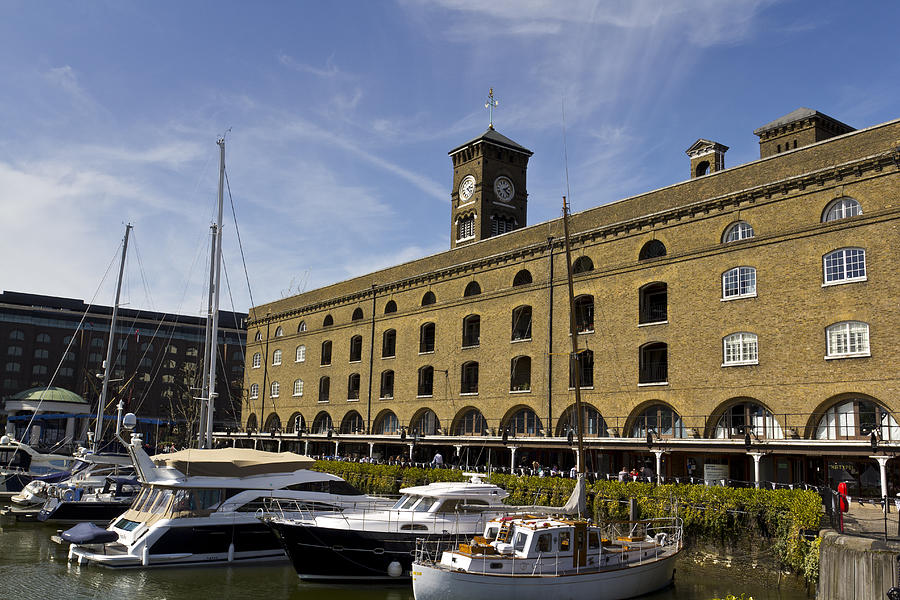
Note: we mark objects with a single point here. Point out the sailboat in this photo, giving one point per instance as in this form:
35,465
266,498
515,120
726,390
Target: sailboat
535,557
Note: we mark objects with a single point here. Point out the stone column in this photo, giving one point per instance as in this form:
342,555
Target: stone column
337,445
459,455
279,444
411,446
658,454
306,447
371,449
757,456
512,457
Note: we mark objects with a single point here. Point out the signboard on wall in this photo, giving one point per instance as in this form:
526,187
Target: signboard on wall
715,474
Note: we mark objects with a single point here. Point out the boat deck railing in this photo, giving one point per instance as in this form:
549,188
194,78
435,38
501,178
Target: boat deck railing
295,509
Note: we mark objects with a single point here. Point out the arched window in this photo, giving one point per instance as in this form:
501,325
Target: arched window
737,232
426,423
740,349
472,422
428,298
520,374
17,334
324,389
473,289
521,323
426,338
276,357
653,303
652,249
279,331
326,353
739,282
356,348
389,344
471,336
702,168
43,338
301,327
322,423
425,381
842,208
584,314
586,371
251,422
737,420
17,351
353,423
41,353
847,339
524,422
523,277
258,336
353,386
582,264
661,420
273,423
357,314
13,367
257,360
387,424
654,363
857,419
469,378
845,265
501,224
98,343
300,355
594,425
328,321
298,387
274,390
296,423
387,385
390,307
465,228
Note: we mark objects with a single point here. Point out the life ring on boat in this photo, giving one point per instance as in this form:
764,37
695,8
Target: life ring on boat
68,495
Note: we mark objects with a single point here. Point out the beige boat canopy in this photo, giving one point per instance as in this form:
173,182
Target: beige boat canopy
232,462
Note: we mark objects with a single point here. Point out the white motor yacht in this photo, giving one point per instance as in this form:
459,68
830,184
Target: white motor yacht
199,507
379,544
20,464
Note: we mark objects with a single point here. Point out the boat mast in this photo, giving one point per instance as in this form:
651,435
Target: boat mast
107,364
573,330
213,316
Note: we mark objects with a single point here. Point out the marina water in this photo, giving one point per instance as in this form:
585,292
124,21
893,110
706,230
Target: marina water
34,568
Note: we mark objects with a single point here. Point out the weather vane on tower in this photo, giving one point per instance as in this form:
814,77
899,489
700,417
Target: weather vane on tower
490,104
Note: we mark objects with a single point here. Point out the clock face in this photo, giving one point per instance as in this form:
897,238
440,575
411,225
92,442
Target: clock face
504,189
466,188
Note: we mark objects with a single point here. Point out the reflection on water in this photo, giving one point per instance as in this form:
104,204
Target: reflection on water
34,568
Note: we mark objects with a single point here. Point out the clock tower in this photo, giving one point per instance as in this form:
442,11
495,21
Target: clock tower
488,196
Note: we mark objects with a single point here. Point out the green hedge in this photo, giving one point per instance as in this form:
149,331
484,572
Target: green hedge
719,514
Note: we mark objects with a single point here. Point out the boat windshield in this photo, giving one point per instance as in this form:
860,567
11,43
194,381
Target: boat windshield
400,502
140,498
519,542
160,502
425,504
408,504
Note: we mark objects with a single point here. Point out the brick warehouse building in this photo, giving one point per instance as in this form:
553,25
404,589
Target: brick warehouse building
746,318
156,360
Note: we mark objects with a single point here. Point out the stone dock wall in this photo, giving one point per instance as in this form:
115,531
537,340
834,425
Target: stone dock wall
856,568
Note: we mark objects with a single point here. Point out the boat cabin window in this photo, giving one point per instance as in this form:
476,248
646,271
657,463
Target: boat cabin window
426,504
141,498
14,459
593,540
460,505
126,524
519,542
410,500
543,542
491,533
413,527
338,488
160,502
199,499
400,502
564,541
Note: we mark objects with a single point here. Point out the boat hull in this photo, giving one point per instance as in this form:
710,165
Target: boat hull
77,512
437,583
324,553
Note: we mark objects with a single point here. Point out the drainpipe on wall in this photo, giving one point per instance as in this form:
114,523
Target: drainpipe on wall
550,346
371,365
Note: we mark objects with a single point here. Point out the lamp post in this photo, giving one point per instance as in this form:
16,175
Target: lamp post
755,454
658,452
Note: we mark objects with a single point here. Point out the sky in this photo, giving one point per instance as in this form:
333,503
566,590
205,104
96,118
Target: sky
339,116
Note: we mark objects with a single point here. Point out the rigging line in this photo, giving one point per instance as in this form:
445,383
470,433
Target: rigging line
71,342
143,272
237,231
231,301
565,150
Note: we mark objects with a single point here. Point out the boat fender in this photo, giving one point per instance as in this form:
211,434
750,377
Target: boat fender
395,569
231,552
68,495
145,556
661,538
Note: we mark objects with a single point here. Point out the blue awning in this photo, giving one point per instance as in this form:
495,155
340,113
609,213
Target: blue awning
54,416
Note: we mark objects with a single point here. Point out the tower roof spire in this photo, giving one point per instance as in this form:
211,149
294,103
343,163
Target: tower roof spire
490,104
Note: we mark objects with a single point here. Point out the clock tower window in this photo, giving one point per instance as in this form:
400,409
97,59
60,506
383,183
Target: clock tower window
501,224
466,228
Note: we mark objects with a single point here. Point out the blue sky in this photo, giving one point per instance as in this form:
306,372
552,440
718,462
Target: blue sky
342,113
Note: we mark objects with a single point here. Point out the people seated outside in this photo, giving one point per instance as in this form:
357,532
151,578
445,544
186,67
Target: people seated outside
623,474
634,474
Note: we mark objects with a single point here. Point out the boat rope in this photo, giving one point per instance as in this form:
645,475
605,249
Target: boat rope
237,232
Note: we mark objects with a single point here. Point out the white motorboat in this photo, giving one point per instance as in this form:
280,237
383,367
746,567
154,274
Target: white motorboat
88,474
20,464
535,558
380,544
199,507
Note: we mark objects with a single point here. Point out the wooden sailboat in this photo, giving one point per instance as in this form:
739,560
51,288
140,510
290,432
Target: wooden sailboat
529,557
